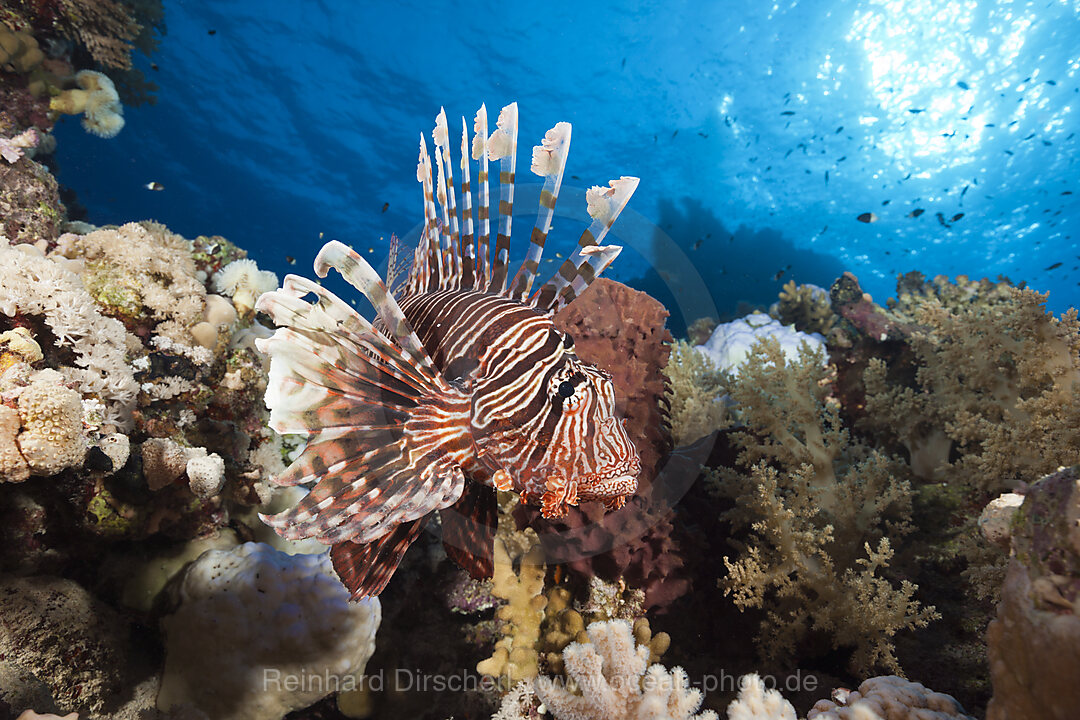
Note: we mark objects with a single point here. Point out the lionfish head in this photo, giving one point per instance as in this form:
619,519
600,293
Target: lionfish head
586,453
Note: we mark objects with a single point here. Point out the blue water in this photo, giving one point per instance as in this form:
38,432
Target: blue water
300,121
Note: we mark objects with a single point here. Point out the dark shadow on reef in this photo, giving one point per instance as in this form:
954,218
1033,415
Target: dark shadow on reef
742,268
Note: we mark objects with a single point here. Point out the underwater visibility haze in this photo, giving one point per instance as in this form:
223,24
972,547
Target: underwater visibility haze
585,361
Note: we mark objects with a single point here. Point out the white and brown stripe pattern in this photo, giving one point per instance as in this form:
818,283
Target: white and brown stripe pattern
461,385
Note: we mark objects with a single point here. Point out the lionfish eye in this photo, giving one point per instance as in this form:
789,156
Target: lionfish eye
566,388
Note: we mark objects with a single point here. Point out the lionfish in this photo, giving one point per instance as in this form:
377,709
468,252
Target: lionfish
462,386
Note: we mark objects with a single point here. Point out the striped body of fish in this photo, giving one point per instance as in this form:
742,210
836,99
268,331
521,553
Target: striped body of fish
461,386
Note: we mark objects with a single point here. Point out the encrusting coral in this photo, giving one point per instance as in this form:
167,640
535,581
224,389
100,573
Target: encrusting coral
820,507
613,676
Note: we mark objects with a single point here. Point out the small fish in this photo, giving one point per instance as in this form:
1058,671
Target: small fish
916,213
962,85
867,217
838,130
788,112
463,387
155,186
956,217
1055,266
841,159
153,66
826,177
385,206
290,259
211,32
916,111
1051,82
885,202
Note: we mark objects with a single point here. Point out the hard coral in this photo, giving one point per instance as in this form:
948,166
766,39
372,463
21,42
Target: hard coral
819,506
889,697
73,642
616,681
253,624
52,438
515,656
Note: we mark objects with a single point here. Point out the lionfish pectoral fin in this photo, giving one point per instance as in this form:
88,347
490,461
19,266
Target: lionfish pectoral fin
469,530
387,435
365,568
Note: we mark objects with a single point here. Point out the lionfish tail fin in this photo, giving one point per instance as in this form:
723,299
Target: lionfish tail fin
386,434
590,258
549,162
365,568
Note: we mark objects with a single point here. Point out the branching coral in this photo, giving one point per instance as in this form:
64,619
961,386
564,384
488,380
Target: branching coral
997,383
614,679
819,506
696,390
807,307
515,656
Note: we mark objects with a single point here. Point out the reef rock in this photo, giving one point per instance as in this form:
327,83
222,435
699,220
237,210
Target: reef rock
1034,644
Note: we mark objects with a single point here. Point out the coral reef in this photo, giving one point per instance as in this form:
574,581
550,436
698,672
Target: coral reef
615,680
807,307
820,507
1034,643
250,619
30,208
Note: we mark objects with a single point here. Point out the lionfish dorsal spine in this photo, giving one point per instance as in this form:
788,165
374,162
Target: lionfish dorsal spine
358,273
549,162
502,146
480,154
469,260
590,258
451,239
455,254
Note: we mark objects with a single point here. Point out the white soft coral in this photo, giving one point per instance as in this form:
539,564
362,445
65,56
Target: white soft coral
616,682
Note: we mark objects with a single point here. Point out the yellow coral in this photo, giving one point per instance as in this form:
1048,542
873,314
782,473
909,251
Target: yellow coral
19,51
96,99
515,656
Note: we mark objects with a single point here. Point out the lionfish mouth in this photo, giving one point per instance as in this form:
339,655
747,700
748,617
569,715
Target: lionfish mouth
620,479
